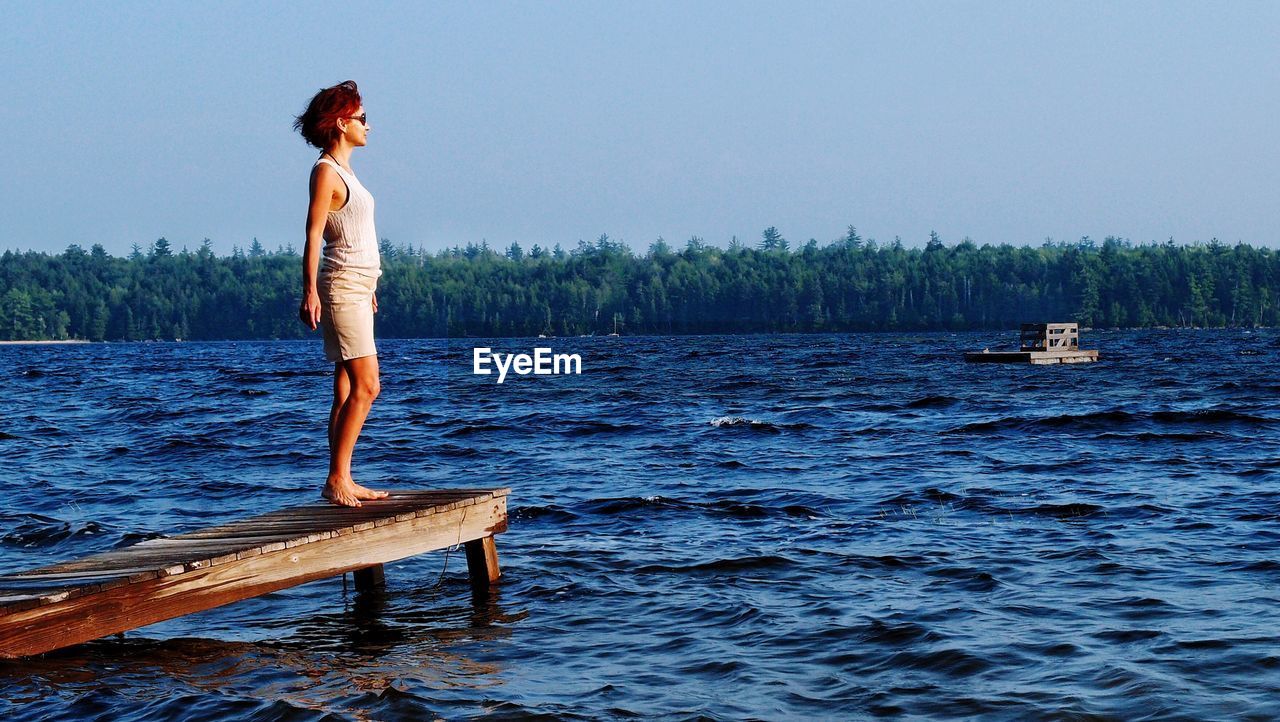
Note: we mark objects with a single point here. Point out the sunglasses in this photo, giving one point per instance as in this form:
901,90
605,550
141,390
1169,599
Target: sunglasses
363,118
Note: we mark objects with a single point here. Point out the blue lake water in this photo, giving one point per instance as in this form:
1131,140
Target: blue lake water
836,526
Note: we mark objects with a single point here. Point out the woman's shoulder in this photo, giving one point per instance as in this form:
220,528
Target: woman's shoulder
326,179
323,168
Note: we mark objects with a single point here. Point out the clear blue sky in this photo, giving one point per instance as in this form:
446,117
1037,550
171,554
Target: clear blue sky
553,122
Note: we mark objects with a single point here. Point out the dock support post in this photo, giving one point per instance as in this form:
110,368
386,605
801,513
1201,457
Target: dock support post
370,578
482,563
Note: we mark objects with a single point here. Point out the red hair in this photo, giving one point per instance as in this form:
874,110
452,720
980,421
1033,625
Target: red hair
319,122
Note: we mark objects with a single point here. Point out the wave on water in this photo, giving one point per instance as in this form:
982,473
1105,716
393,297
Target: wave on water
1115,419
758,564
988,502
28,530
454,451
1152,436
741,421
769,427
896,634
625,507
1211,416
592,428
266,375
551,514
196,442
736,385
467,429
932,402
880,563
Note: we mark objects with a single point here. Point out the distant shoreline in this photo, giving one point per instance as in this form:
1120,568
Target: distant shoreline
31,343
877,332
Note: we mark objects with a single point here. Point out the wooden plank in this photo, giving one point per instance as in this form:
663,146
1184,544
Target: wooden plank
61,581
285,528
136,555
482,563
272,527
321,515
149,600
164,554
370,578
1068,357
1037,337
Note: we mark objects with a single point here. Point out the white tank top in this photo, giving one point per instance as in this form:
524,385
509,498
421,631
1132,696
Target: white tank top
350,241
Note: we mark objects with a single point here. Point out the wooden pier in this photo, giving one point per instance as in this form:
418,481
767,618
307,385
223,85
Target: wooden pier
1041,343
76,601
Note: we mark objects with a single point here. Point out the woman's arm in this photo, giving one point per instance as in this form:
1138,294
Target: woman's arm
325,188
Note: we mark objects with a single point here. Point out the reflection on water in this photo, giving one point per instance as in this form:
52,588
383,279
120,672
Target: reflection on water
371,648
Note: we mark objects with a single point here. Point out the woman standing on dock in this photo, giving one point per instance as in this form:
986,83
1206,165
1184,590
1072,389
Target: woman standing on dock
341,298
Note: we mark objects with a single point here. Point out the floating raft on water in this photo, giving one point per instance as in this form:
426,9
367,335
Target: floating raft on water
1041,343
76,601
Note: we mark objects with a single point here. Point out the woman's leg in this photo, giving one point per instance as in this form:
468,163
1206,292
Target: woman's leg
341,390
362,389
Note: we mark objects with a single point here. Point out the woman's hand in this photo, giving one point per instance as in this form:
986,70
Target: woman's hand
309,311
375,301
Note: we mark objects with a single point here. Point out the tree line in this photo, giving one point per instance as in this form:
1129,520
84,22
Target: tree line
849,284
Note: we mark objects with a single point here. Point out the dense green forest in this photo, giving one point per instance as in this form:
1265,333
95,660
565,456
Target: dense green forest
846,285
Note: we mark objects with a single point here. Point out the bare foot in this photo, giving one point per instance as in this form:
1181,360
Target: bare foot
366,493
340,494
345,492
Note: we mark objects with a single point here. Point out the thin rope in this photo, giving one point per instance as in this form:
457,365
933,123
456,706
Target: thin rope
455,547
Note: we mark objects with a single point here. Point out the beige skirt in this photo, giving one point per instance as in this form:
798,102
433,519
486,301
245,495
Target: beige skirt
346,314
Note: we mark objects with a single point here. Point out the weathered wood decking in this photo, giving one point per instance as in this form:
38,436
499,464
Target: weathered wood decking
83,599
